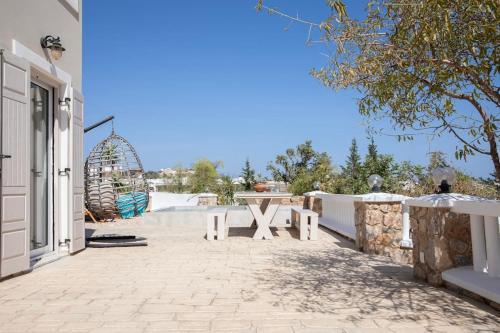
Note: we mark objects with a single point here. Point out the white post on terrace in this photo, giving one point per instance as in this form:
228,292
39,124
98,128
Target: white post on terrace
491,231
485,233
478,243
406,241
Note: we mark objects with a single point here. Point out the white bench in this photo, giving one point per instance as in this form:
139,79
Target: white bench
216,219
306,221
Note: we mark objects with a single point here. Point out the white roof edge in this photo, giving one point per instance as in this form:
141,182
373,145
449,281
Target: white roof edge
416,202
459,203
369,197
313,193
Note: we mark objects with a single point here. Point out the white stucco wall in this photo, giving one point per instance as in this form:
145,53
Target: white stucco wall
29,20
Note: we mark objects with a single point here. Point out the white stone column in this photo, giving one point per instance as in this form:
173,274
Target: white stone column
406,240
492,245
478,243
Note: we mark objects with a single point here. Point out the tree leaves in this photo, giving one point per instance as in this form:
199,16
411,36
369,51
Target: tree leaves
303,165
428,67
436,56
259,5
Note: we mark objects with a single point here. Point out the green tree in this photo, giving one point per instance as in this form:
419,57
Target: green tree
205,176
352,173
288,166
151,174
372,164
180,179
248,175
437,159
301,168
410,179
380,164
225,191
429,67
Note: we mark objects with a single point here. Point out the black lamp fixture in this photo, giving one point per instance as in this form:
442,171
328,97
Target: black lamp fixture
444,178
375,182
65,102
317,186
54,45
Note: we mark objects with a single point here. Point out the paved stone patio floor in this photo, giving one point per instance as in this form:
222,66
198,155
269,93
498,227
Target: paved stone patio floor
181,282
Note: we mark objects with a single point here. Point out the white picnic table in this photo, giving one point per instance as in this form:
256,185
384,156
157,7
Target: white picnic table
263,212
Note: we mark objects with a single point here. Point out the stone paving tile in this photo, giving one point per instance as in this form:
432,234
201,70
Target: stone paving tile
182,283
275,330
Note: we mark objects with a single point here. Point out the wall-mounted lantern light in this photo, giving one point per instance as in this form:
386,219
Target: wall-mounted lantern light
65,102
443,178
375,182
54,45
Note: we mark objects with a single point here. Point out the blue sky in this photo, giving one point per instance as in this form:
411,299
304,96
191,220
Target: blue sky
191,79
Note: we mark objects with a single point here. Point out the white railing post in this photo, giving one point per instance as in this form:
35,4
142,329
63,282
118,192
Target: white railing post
406,240
492,245
478,243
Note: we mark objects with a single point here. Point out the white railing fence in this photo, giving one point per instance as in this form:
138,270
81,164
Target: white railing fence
339,214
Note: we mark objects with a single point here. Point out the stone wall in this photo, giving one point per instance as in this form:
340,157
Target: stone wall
296,200
379,230
441,240
207,200
313,203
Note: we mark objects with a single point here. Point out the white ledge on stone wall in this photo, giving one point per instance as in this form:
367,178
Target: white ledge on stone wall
444,200
380,197
375,197
478,207
313,193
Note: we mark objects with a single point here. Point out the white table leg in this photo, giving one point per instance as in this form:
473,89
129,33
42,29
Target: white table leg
263,214
313,232
221,230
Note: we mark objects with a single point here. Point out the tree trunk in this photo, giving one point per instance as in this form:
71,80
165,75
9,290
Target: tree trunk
494,155
490,135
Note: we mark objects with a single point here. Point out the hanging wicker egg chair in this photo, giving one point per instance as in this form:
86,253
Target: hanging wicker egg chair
114,180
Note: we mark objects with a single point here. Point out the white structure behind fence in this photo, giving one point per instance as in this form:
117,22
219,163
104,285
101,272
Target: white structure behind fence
162,200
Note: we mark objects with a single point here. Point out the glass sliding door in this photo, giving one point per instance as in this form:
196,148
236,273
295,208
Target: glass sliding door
41,219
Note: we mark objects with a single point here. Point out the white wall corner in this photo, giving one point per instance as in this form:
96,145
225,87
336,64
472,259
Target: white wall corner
73,4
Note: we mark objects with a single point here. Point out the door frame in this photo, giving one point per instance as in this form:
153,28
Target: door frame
51,246
61,81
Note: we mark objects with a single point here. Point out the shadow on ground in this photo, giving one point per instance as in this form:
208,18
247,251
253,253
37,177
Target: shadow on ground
350,283
249,232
